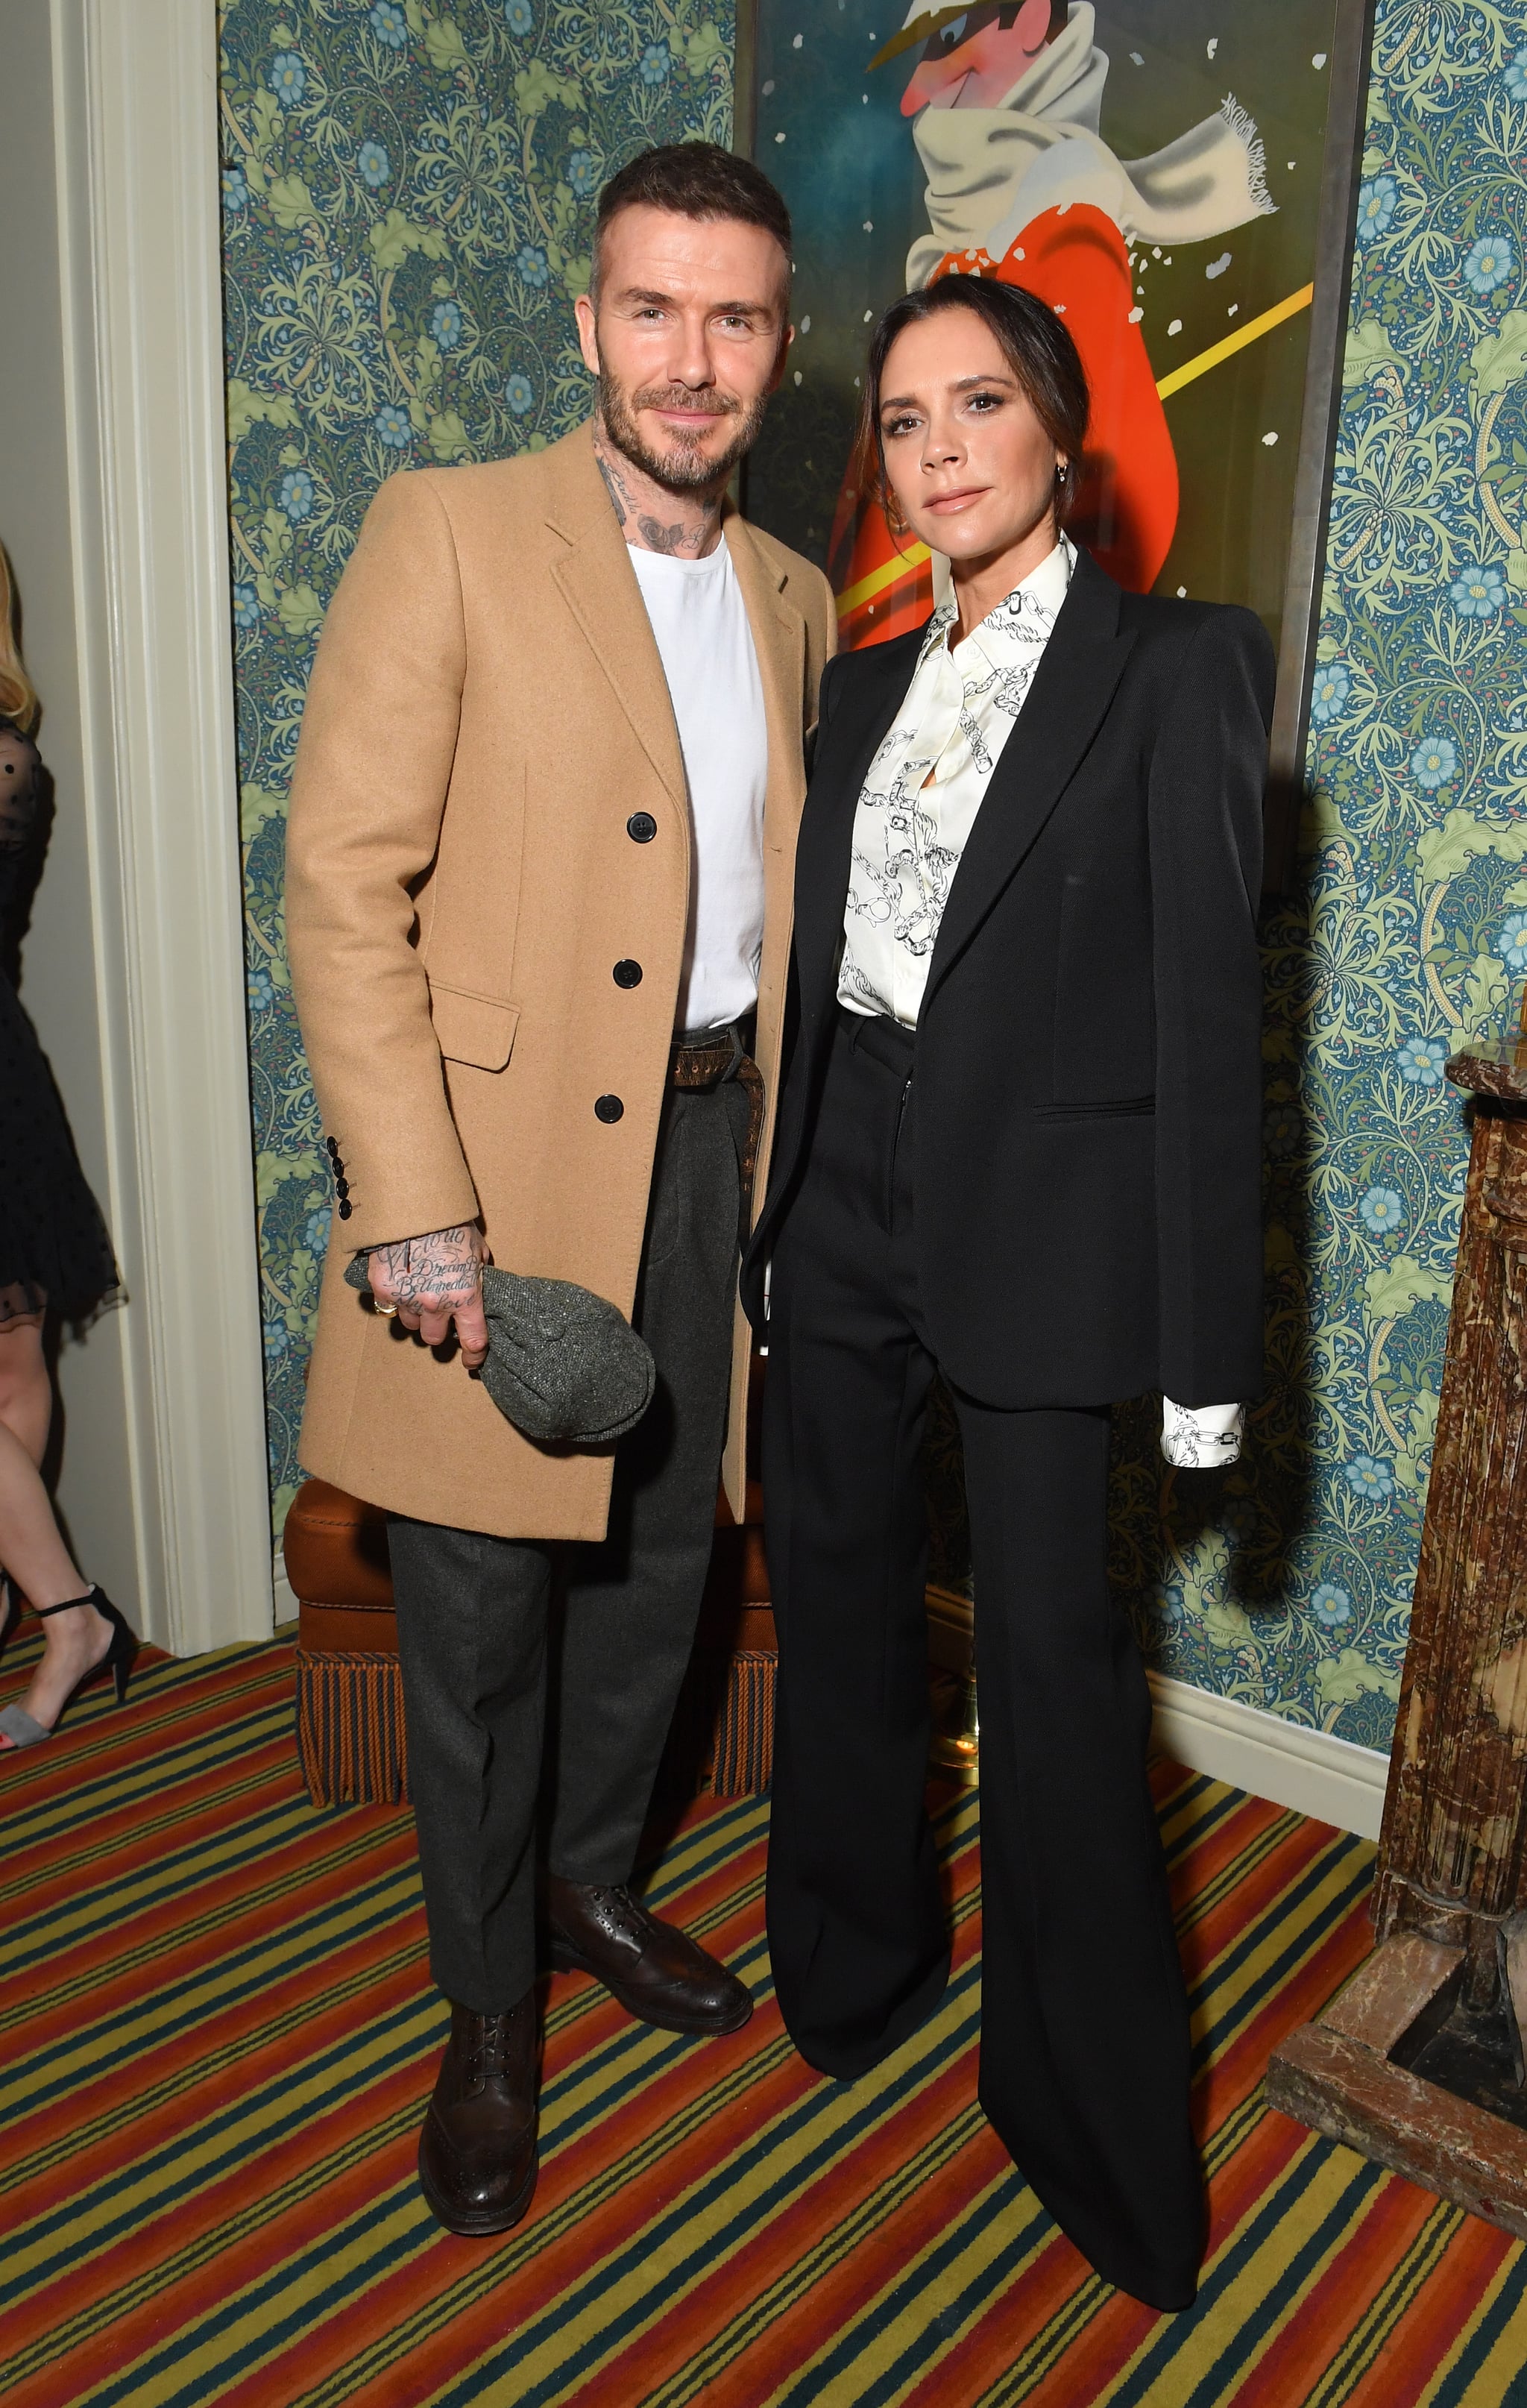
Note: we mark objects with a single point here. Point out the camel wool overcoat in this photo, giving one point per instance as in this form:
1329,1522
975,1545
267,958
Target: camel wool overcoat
488,811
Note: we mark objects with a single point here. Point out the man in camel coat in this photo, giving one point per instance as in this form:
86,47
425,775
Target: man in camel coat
539,879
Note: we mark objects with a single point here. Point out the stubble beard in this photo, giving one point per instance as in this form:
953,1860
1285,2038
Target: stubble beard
684,470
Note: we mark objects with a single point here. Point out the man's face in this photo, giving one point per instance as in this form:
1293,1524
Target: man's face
974,62
688,340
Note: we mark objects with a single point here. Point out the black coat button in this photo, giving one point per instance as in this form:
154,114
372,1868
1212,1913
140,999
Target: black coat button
346,1208
608,1108
341,1188
628,973
641,828
332,1144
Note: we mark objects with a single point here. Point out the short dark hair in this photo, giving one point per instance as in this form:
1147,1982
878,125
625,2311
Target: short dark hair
1034,341
693,180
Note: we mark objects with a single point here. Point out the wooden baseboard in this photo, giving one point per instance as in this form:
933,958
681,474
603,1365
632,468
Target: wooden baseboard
1310,1771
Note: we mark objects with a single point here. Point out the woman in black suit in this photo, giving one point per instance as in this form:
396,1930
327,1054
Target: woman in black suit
1018,1146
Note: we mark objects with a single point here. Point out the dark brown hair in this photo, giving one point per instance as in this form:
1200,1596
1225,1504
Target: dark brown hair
1034,342
694,179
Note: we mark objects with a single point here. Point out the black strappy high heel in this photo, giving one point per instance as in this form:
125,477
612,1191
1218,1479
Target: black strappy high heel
23,1729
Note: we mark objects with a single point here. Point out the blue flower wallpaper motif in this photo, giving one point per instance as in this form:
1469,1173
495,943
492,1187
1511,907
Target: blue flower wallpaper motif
408,202
1288,1584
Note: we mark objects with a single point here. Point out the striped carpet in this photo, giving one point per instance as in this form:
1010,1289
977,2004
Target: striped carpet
219,2037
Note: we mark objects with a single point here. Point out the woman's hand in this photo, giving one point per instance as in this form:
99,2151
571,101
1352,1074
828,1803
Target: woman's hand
433,1281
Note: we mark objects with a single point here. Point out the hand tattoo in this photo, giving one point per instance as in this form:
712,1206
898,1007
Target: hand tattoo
437,1273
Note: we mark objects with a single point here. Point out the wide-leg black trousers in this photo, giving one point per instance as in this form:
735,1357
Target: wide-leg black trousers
1085,2060
523,1718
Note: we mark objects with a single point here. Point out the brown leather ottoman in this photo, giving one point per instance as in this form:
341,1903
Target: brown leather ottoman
352,1742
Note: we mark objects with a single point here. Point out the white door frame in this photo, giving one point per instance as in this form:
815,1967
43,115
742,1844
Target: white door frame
136,96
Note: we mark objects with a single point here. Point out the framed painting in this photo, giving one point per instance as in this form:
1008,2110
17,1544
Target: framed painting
1177,176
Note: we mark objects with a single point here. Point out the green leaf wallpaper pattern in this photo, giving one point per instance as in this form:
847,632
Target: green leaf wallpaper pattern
407,210
1291,1589
407,205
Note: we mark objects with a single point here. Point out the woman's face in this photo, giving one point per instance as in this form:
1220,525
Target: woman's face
967,457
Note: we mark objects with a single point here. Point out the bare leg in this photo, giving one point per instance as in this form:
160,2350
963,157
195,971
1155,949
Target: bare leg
32,1551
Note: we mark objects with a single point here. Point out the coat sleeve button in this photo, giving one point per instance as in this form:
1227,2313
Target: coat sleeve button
641,828
608,1108
627,973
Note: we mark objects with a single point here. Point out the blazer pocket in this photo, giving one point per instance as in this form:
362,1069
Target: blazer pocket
476,1030
1131,1106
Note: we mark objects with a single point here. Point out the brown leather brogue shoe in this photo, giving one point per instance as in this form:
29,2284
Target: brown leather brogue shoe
476,2152
657,1972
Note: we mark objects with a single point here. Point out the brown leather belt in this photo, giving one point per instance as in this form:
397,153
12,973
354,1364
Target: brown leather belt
707,1063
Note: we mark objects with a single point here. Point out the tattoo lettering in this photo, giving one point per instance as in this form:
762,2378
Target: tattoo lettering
439,1273
612,482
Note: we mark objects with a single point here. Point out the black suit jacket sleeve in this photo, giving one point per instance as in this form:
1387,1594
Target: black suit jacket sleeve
1208,772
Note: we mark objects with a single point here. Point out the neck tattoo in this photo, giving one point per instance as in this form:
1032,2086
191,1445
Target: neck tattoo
686,538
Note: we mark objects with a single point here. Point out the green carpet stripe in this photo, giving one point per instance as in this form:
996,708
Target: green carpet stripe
1458,2386
821,2101
84,2137
220,1984
1346,1884
1368,2338
216,2135
68,1870
1272,2212
945,2318
723,2226
787,2289
110,1905
1204,1900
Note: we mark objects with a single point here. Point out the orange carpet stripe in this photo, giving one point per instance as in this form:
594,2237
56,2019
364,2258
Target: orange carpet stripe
248,2035
731,2292
1342,2295
1446,2306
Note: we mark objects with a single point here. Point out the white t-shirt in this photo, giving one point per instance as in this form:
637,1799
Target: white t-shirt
707,647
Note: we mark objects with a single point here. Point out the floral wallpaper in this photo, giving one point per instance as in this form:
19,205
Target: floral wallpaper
408,213
1289,1588
408,204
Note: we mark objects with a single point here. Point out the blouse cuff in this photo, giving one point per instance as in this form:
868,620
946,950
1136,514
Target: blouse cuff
1195,1436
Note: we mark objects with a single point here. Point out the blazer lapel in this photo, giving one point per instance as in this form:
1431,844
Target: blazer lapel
1072,689
599,584
864,713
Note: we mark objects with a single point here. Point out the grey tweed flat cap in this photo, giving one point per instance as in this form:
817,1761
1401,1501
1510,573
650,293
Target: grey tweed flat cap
563,1364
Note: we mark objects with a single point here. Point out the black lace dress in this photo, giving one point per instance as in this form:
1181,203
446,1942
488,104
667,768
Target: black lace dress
54,1248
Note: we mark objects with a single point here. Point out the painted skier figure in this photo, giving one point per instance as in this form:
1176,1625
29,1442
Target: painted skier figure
1021,185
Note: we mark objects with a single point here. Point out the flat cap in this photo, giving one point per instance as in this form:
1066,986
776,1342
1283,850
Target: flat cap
563,1364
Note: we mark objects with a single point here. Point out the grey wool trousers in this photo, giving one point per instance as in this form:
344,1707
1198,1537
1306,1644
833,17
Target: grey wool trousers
539,1681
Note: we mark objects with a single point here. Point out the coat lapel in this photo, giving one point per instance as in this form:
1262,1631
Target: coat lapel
599,584
1072,689
779,642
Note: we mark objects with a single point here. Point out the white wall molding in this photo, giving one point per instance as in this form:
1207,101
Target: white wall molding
1311,1772
136,121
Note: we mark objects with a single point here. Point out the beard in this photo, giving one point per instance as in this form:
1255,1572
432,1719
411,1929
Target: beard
684,467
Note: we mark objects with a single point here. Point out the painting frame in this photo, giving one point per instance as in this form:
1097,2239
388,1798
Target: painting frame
1319,409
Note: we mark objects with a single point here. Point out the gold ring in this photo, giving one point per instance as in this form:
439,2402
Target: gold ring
388,1311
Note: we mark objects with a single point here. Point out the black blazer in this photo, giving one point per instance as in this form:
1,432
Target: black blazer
1088,1182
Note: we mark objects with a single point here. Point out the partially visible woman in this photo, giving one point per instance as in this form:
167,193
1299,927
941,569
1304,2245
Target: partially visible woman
54,1255
1019,1145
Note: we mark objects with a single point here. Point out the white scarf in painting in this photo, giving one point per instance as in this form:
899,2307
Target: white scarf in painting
991,171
